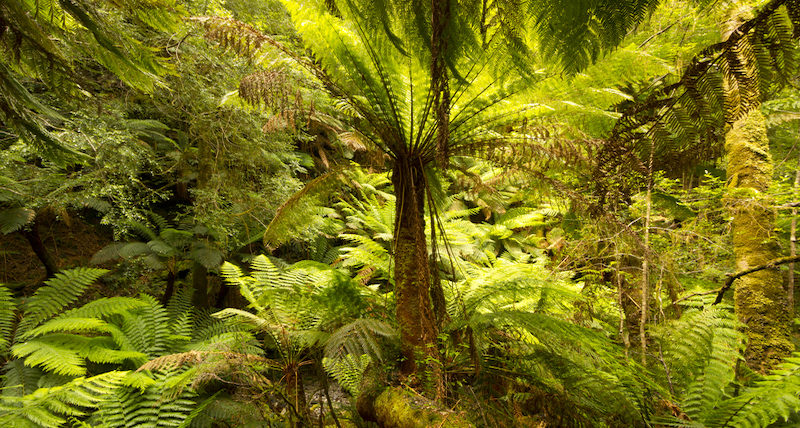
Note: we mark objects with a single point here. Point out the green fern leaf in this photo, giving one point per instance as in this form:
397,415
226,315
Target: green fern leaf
7,309
58,292
14,219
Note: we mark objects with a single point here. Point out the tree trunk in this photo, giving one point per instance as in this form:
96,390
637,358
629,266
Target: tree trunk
645,302
760,299
623,331
418,331
793,241
35,240
440,14
296,392
200,285
170,290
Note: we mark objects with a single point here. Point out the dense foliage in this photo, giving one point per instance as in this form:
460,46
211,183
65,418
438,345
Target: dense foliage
399,213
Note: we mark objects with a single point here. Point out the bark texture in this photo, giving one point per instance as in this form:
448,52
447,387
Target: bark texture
418,331
760,299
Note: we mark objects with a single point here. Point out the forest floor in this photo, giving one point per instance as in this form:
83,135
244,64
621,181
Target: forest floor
72,242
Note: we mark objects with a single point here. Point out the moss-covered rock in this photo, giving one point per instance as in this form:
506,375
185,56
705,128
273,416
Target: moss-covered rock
396,407
760,300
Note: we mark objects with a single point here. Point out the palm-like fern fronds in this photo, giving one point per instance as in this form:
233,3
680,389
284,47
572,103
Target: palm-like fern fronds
301,212
131,407
7,309
350,349
702,349
117,331
297,308
524,310
775,397
685,118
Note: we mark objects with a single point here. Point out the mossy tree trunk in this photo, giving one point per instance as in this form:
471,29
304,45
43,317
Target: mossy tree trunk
418,328
760,299
793,241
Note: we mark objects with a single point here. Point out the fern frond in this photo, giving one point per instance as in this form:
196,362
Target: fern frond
776,396
14,219
299,213
239,315
148,329
19,379
151,408
50,407
70,324
57,353
359,337
105,307
7,309
348,370
58,292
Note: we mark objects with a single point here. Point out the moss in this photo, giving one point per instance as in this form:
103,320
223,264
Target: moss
400,408
759,297
414,310
747,147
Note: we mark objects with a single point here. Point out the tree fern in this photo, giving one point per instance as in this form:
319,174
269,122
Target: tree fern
701,351
307,310
117,332
521,309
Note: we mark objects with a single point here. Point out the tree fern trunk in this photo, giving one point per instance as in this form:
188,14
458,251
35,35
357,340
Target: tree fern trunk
200,285
440,14
759,297
34,239
414,311
170,290
296,392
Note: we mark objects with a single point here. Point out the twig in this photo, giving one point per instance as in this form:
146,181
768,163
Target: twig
666,370
326,388
483,416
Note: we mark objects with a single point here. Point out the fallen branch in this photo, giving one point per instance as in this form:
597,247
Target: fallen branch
769,265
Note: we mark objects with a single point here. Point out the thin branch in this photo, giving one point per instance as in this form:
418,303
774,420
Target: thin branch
769,265
700,293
